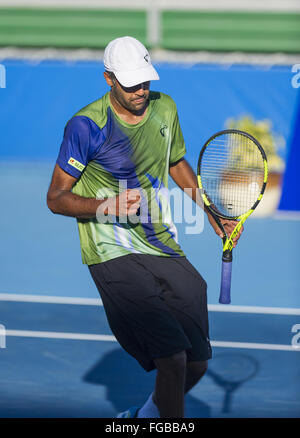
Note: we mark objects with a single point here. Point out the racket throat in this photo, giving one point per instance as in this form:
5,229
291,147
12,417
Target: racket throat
227,256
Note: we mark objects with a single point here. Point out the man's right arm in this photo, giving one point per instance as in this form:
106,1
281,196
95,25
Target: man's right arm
61,200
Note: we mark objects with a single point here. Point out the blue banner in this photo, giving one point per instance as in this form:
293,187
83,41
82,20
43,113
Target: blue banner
39,98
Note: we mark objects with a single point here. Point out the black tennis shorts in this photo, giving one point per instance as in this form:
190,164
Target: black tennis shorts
156,306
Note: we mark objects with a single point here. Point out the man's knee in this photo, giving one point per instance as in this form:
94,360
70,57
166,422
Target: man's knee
174,364
196,370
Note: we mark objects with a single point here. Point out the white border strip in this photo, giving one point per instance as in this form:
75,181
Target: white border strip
240,5
158,56
286,214
110,338
97,302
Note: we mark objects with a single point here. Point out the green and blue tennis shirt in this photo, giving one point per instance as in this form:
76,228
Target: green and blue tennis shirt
108,155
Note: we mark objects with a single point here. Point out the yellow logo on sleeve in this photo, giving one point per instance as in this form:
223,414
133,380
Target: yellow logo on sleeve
76,164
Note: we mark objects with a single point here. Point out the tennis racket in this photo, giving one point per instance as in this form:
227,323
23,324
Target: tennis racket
232,175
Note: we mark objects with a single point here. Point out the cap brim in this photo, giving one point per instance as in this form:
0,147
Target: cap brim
135,77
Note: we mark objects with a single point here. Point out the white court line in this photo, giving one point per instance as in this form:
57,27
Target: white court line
59,335
254,309
110,338
255,346
97,302
50,299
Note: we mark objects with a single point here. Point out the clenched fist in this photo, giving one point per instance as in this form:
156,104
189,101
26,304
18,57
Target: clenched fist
126,203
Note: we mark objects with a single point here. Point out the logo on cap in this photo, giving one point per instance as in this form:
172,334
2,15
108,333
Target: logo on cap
146,58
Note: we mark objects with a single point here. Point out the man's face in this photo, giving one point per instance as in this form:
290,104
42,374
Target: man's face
134,99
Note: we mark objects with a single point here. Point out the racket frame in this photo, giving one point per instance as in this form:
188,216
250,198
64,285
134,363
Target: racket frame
228,240
216,215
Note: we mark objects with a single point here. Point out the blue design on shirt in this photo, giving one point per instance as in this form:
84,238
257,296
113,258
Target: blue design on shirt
111,148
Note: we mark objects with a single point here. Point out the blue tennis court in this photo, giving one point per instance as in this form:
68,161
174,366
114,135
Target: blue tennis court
60,358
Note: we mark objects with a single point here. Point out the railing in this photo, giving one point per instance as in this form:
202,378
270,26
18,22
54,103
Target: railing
227,22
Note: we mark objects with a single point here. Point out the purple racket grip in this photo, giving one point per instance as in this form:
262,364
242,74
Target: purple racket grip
225,282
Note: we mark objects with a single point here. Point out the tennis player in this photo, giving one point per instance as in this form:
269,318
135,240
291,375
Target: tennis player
111,171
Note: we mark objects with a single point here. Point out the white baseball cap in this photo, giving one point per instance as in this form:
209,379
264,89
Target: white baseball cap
130,61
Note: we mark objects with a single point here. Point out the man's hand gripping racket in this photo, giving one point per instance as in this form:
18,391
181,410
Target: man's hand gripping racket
232,174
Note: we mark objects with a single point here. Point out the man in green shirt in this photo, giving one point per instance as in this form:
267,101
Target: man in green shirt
112,175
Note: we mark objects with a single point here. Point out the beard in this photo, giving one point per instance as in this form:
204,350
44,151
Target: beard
132,104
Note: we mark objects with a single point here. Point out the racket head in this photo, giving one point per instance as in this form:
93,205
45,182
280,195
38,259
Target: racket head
234,368
232,158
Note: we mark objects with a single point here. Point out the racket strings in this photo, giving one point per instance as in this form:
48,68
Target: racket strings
232,173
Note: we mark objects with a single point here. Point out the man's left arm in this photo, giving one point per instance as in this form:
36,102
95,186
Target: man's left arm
184,176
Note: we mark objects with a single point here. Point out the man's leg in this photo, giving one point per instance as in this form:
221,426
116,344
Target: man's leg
170,385
167,388
194,372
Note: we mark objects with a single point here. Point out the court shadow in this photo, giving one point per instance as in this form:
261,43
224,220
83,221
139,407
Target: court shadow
230,371
127,384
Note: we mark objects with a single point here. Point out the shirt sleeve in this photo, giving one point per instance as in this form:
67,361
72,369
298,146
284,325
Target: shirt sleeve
74,151
178,149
